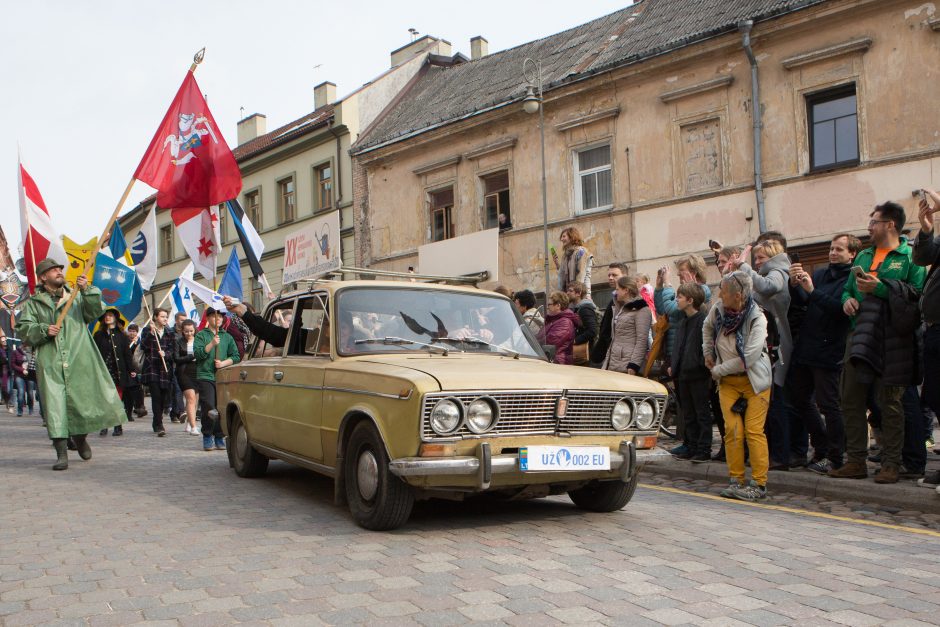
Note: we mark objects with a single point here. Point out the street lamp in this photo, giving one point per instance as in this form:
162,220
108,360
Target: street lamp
532,102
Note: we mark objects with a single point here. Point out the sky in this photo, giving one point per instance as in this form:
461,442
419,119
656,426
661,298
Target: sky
86,83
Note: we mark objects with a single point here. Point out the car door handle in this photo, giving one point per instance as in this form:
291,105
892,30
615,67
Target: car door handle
278,375
243,375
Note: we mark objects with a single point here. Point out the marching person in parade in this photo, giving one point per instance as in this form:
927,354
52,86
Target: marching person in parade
214,348
158,342
113,345
78,394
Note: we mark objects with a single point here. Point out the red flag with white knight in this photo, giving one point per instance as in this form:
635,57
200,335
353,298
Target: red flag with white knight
198,229
188,161
40,239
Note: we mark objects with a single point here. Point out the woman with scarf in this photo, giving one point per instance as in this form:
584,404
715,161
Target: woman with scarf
575,263
734,342
114,348
771,280
629,330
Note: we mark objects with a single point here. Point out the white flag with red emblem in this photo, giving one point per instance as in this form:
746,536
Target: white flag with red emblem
198,229
40,239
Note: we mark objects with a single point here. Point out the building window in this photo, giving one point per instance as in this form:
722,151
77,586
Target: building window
223,222
323,184
593,187
253,209
442,214
285,201
496,201
833,128
166,244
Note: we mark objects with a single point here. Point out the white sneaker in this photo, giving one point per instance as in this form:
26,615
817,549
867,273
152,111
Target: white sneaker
196,431
188,429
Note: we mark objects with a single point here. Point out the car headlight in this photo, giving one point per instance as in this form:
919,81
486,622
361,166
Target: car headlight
621,415
481,415
645,414
446,416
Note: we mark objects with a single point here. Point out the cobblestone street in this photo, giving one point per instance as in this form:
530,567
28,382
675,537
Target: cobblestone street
156,530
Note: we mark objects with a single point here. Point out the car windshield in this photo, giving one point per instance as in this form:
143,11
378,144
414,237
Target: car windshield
398,320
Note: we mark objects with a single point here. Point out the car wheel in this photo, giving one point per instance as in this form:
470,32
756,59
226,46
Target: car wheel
604,496
378,500
246,461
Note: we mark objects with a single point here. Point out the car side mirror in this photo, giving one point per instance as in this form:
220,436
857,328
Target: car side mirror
550,351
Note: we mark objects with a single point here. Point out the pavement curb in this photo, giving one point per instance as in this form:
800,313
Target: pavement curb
905,495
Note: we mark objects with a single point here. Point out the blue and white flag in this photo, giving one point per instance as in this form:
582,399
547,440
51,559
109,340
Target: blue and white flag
203,293
231,284
115,280
181,299
144,250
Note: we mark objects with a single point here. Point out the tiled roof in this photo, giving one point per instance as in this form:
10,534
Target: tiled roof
643,30
286,133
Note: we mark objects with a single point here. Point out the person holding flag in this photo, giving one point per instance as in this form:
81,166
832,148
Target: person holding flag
77,393
115,350
158,343
214,348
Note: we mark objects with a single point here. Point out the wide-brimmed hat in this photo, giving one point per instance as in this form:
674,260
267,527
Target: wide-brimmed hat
117,315
47,264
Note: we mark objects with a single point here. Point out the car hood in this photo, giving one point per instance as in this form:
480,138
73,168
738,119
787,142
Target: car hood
492,372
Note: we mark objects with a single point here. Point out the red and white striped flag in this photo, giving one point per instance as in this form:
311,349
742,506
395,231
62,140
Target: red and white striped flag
40,239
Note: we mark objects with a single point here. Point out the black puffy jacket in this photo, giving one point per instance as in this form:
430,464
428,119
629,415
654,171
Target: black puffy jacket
885,341
820,342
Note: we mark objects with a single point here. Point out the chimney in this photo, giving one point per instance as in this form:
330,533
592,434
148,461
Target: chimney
324,94
255,125
479,48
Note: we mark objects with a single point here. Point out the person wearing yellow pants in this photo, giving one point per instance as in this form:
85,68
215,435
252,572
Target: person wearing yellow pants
734,341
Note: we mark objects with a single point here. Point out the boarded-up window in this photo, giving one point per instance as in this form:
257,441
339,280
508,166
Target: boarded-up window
701,155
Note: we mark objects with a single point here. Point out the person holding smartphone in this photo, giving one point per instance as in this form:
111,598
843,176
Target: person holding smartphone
927,253
884,286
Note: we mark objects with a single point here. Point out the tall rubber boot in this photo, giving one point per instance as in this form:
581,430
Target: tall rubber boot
84,449
62,453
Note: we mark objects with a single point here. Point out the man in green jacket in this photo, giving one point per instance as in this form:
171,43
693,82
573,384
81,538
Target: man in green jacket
214,348
78,396
889,257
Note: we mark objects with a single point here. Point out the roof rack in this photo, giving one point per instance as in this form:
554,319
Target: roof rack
372,273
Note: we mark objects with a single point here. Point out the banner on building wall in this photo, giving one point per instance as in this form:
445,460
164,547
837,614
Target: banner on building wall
314,250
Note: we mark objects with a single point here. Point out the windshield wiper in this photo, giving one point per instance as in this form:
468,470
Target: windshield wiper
481,342
400,341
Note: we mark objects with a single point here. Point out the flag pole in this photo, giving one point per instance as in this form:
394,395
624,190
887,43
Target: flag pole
154,331
170,291
197,59
32,253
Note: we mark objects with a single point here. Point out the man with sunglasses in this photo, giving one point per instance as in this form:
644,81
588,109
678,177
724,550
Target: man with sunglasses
880,298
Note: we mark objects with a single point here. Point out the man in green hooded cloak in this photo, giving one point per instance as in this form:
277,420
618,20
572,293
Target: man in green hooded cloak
78,396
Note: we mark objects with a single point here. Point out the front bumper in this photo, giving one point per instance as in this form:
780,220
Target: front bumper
627,460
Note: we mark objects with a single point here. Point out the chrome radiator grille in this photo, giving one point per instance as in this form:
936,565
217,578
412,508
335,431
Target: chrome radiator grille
532,412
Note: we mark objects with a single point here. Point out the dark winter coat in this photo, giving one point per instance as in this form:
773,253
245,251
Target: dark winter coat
885,342
19,362
688,360
559,331
185,361
602,343
587,312
820,342
115,351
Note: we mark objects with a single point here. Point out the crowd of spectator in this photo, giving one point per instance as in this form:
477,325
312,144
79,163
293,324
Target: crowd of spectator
798,367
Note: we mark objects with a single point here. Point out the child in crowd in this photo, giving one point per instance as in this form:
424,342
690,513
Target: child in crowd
693,379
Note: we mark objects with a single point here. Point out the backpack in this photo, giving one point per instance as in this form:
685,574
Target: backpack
137,358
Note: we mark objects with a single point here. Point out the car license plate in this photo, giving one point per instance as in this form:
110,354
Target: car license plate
564,458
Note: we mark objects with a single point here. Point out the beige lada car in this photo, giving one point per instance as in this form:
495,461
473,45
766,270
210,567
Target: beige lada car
404,391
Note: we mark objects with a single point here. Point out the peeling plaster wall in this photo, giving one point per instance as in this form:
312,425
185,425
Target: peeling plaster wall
683,167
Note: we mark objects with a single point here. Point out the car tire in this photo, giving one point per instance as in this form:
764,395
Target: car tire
246,461
378,500
604,496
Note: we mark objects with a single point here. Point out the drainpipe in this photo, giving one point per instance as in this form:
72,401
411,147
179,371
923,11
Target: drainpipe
745,28
339,167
